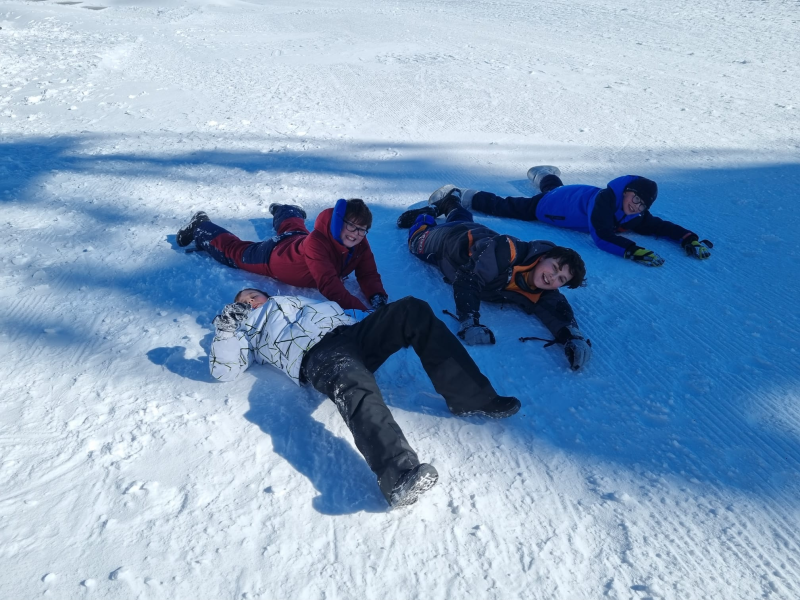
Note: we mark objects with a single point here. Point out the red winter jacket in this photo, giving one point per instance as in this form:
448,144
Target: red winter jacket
317,260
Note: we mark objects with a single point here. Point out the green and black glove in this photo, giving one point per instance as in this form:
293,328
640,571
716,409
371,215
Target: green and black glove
698,249
644,256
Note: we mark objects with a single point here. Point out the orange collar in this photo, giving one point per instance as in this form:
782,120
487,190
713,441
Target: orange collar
513,287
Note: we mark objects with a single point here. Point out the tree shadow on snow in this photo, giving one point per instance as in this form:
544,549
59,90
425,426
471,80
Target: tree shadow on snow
686,358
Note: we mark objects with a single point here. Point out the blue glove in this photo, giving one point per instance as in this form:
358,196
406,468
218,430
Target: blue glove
475,334
644,256
378,300
232,315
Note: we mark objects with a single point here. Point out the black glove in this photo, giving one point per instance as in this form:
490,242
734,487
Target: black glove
378,300
475,334
644,256
232,315
695,248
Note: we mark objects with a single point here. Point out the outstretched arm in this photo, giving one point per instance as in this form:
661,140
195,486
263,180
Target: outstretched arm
327,276
556,314
651,225
369,280
470,280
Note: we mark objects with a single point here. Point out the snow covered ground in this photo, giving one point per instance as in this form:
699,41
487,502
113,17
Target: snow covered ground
667,469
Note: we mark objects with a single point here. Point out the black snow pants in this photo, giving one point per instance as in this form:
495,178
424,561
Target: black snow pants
514,207
342,364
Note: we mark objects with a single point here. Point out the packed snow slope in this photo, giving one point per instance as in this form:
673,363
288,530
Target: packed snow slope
668,468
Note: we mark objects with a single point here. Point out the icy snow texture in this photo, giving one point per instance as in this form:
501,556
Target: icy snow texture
667,469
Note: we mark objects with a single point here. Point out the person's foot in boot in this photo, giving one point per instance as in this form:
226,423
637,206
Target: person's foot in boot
407,219
185,235
293,207
537,174
411,484
445,199
499,408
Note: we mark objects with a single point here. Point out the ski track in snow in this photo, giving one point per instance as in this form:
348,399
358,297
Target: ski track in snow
666,469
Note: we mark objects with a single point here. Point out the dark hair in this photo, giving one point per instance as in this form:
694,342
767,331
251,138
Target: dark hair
357,212
573,260
239,294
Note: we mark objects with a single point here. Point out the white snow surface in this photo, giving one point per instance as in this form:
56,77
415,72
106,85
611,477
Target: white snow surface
668,468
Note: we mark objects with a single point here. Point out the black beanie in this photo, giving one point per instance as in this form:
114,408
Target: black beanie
646,189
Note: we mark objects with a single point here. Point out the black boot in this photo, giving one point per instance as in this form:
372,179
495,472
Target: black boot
445,199
185,235
286,210
407,219
411,484
499,408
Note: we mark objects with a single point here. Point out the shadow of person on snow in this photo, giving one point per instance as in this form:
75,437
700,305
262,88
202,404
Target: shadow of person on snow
333,466
174,360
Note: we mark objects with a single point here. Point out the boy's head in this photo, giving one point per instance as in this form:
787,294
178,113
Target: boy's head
639,195
252,296
356,223
558,267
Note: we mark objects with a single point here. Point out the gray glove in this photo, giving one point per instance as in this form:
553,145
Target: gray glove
578,351
232,315
475,334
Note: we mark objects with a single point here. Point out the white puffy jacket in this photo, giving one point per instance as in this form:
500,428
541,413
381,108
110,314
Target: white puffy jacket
279,333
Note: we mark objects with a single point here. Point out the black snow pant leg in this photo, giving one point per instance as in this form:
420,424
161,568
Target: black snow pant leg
335,368
410,322
513,207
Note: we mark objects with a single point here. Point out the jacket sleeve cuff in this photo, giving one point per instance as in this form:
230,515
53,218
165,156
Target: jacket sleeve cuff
688,239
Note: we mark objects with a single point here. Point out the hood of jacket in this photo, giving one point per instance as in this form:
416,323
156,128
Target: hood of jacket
323,225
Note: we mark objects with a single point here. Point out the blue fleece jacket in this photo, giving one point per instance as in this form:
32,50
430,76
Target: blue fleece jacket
599,212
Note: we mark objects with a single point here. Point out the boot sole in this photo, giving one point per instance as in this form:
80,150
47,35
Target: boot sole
492,415
407,495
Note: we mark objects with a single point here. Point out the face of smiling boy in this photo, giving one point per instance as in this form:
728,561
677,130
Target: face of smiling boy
352,234
632,204
548,275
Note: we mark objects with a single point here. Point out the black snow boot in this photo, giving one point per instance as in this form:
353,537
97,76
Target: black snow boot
287,210
445,199
407,219
185,234
411,484
499,408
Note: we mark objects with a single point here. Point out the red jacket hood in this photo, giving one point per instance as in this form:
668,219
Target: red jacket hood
323,225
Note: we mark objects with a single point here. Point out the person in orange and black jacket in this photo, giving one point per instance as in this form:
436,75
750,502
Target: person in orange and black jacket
483,265
318,259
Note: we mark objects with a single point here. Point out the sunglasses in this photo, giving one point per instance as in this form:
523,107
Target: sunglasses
353,228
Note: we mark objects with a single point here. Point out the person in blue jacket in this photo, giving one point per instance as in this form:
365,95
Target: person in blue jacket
624,205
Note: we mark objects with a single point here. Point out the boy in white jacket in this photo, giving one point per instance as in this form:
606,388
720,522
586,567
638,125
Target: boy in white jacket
317,342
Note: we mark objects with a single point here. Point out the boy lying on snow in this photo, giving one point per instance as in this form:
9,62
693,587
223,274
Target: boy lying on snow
317,342
623,205
484,265
321,259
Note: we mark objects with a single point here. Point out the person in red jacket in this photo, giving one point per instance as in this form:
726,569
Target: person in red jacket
319,259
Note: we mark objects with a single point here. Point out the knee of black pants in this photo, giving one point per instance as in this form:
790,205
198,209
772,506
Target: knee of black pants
420,310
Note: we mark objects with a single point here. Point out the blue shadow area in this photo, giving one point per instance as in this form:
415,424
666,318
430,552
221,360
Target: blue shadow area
683,355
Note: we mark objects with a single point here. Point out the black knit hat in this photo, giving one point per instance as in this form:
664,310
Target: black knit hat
646,189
